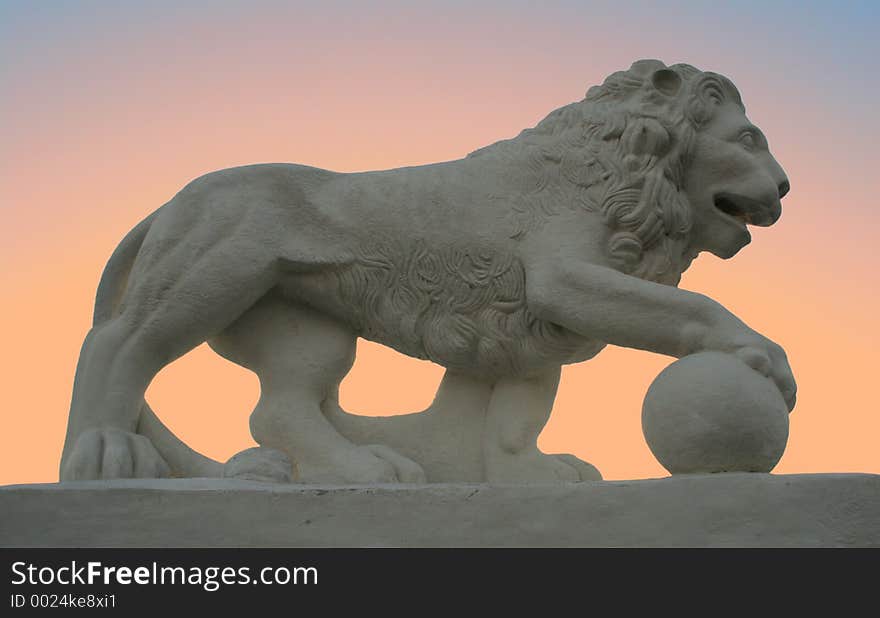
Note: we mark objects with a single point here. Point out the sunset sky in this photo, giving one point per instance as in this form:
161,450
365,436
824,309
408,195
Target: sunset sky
108,108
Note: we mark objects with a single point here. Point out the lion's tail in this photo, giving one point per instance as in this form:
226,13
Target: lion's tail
184,461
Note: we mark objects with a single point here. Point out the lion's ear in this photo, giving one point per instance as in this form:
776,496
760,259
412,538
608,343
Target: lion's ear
711,90
666,81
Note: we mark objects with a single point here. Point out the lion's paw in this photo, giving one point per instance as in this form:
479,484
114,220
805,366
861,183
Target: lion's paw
362,465
586,470
405,469
533,466
110,453
259,463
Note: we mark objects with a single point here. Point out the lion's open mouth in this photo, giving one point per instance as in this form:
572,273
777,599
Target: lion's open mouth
746,210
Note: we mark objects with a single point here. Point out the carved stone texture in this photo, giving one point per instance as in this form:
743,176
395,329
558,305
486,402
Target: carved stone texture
503,266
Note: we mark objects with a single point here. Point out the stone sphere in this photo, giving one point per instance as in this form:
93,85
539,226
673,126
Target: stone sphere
710,412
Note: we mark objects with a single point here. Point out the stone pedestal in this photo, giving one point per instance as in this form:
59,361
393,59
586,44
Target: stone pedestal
721,510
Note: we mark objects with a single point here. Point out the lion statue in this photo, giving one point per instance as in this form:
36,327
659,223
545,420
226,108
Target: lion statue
526,255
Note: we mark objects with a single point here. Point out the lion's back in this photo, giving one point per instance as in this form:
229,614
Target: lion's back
425,290
425,279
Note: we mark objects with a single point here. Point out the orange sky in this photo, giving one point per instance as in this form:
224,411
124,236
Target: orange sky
101,126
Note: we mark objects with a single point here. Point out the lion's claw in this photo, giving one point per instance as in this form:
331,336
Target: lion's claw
266,465
110,453
586,470
359,465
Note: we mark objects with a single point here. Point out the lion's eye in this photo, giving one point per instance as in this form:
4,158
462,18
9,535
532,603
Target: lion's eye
748,140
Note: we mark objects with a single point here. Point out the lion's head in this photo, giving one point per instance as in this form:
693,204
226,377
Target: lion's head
665,154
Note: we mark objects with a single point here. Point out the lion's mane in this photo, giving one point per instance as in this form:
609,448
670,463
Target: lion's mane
622,151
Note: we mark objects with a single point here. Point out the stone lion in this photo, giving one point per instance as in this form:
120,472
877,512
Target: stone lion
503,266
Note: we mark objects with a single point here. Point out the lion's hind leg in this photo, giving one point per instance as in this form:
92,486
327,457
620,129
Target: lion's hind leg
301,356
177,297
517,412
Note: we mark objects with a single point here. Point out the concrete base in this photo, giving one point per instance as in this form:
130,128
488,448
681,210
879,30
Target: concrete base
722,510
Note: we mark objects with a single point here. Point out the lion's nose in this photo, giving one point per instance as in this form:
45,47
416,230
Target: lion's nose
784,187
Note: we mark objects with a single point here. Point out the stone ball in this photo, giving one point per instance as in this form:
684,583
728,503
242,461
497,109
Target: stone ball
710,412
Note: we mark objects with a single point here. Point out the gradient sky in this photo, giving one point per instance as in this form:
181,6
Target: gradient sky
108,108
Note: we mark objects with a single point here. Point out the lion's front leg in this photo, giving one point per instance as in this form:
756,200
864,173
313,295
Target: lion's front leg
517,412
612,307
